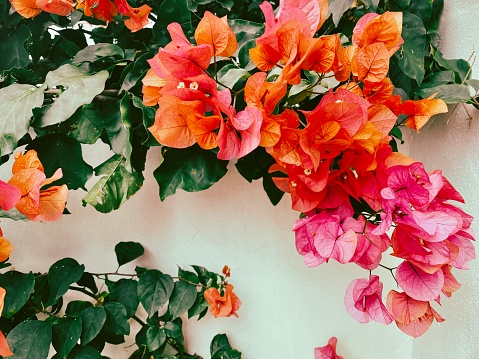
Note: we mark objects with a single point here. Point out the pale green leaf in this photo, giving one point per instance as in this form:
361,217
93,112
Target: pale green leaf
80,89
16,105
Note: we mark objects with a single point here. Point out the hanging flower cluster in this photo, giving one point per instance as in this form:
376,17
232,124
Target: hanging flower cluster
335,160
105,10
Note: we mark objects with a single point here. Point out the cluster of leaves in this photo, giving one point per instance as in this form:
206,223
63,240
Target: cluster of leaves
36,316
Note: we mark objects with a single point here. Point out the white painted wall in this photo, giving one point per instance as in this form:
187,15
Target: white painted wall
287,309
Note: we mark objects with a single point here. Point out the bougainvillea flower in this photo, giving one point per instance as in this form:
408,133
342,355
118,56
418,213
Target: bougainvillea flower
26,8
5,249
248,124
413,317
58,7
363,301
373,28
138,17
409,183
418,284
171,121
316,11
3,292
37,204
328,351
224,305
377,93
100,9
4,348
264,57
420,111
9,196
152,84
369,247
371,63
216,32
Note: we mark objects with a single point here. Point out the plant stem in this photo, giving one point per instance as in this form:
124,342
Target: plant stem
84,291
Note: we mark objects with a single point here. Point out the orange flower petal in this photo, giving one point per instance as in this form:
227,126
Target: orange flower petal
26,161
5,249
214,31
26,8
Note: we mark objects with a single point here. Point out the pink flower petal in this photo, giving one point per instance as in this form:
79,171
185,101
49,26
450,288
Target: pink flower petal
418,284
9,196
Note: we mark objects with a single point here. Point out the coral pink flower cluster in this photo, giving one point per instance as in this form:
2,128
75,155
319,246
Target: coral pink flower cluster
335,160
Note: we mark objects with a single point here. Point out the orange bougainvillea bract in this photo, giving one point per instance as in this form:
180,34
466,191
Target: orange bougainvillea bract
224,305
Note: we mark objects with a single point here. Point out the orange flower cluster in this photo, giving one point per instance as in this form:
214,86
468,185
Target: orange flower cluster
224,305
25,190
106,10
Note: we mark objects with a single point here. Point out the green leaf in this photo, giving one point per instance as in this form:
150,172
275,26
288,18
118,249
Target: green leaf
16,105
243,55
98,51
137,70
93,320
255,164
84,353
219,345
182,299
76,307
18,286
451,93
125,292
60,151
154,290
200,306
171,11
12,47
31,339
63,273
460,67
88,281
148,119
116,319
233,76
66,333
187,275
115,186
439,78
337,8
80,89
128,251
412,52
191,169
173,329
273,192
155,338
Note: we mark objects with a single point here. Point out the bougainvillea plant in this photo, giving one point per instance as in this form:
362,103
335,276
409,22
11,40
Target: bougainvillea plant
309,97
36,315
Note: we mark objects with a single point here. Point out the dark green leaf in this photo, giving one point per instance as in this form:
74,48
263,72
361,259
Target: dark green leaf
18,286
12,47
154,290
148,119
396,132
155,338
173,329
31,339
125,292
115,186
93,320
84,353
439,78
219,345
88,281
412,52
16,107
273,192
171,11
116,319
255,164
183,297
191,169
76,307
200,306
135,72
66,333
187,275
243,55
60,151
128,251
63,273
